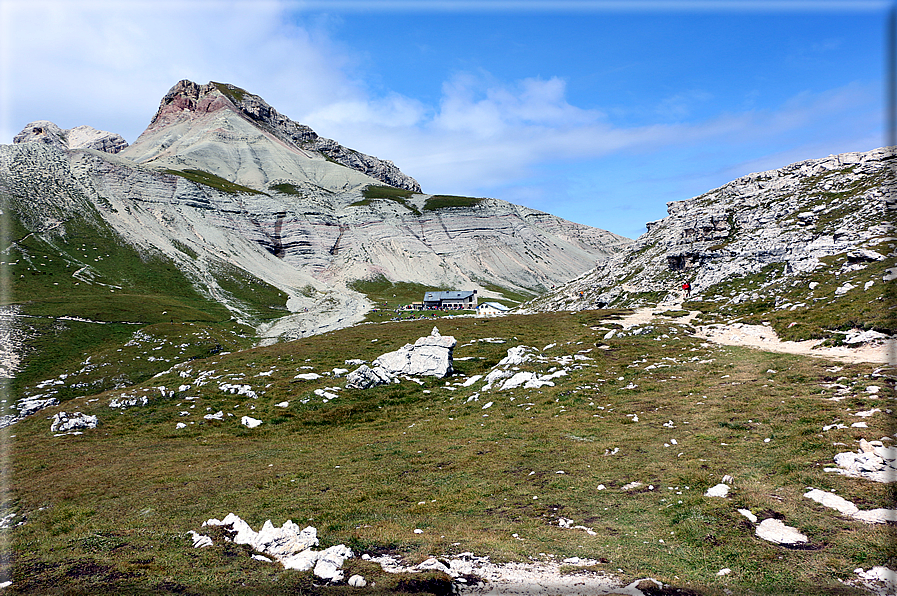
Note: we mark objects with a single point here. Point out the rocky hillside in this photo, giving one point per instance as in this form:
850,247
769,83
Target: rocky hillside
808,247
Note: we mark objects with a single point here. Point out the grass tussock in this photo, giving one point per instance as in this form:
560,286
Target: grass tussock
437,202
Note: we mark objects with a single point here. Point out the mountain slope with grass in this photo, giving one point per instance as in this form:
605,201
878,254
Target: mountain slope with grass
575,450
807,248
572,460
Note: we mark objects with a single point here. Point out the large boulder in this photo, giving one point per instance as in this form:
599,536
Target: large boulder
428,356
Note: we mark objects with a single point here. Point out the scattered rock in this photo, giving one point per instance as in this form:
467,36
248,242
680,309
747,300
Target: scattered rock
65,423
774,530
126,401
873,462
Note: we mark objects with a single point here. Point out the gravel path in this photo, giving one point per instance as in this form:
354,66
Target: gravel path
765,338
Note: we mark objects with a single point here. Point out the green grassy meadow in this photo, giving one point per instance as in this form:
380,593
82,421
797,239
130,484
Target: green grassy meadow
108,511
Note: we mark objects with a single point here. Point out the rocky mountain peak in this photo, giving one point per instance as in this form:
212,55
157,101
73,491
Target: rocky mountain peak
188,101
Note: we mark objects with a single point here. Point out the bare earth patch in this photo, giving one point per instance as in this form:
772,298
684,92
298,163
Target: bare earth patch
765,338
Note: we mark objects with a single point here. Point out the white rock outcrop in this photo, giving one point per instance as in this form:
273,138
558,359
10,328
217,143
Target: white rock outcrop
80,137
784,223
428,356
289,544
64,422
873,461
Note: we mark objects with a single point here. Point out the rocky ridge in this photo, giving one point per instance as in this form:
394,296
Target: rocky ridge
811,233
80,137
220,181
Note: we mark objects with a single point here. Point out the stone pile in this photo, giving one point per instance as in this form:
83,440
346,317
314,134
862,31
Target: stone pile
872,461
289,545
64,422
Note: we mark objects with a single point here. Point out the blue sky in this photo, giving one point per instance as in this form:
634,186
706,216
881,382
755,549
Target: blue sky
597,111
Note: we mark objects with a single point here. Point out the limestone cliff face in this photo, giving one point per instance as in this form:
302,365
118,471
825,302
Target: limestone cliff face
783,224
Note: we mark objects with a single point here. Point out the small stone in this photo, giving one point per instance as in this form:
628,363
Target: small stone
720,490
356,581
250,422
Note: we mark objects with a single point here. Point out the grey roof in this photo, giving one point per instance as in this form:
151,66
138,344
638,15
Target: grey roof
494,305
450,295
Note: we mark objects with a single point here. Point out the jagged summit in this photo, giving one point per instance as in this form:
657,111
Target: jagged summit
235,134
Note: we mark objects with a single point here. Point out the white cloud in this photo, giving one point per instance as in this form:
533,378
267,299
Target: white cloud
107,64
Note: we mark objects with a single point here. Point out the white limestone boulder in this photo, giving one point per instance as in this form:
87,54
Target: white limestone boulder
720,490
357,581
428,356
249,421
365,377
330,562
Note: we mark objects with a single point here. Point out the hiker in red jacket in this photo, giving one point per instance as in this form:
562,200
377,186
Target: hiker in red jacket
686,289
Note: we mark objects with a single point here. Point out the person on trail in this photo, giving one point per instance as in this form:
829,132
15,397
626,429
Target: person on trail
686,289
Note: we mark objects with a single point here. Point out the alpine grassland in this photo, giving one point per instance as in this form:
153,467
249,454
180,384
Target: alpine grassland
610,463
